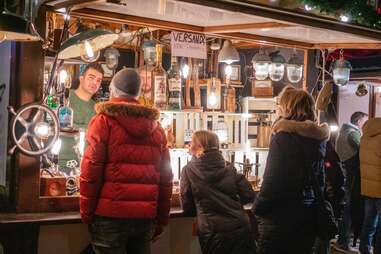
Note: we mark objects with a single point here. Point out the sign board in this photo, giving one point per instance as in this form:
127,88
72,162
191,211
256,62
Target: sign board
188,45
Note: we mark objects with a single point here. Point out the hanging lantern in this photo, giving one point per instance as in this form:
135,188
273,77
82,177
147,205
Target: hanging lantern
149,49
261,62
228,54
222,131
341,70
294,69
276,69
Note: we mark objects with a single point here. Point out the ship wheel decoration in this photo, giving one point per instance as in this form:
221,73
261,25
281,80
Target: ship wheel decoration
34,128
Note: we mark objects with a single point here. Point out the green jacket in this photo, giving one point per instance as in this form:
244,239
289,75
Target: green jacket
348,141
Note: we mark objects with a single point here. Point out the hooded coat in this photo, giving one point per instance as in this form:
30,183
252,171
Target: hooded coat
286,204
125,171
216,193
370,159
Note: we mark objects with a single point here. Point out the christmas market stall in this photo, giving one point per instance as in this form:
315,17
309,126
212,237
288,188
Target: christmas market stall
216,65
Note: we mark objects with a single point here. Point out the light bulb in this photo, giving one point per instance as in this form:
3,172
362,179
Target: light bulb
334,128
185,71
89,55
212,99
228,70
88,49
64,79
41,130
56,147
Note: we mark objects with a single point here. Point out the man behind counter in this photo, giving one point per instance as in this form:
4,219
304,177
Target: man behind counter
80,100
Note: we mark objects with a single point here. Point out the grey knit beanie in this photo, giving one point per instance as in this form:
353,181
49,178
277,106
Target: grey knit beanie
127,80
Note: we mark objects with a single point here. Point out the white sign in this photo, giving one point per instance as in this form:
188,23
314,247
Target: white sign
188,45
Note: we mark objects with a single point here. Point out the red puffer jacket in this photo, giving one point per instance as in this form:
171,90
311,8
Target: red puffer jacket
125,171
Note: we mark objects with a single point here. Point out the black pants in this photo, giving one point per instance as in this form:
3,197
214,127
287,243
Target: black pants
287,231
239,241
120,236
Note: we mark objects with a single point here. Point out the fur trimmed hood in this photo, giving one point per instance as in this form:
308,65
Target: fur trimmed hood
307,129
138,120
116,109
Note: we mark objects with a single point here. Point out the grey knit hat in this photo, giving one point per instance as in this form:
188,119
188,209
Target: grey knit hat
127,80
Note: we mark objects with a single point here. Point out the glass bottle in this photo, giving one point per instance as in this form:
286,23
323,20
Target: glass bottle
174,86
145,73
65,116
159,77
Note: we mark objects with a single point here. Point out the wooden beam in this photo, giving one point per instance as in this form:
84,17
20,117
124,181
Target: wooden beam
348,46
106,16
240,27
264,40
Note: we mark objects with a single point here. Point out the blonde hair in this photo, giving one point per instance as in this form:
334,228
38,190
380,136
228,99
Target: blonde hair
296,104
207,139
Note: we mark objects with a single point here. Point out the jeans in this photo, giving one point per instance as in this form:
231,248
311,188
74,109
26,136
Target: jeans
120,236
351,174
372,217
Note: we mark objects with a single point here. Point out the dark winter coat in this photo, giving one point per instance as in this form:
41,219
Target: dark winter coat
286,204
216,193
125,171
334,181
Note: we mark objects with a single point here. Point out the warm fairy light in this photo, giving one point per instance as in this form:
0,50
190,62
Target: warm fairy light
344,18
307,7
228,70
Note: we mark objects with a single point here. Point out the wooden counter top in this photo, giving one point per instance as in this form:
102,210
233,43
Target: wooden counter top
64,217
58,218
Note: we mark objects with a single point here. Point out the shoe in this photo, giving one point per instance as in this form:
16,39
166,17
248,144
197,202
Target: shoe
341,249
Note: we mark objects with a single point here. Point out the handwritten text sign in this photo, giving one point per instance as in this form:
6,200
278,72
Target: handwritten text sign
188,44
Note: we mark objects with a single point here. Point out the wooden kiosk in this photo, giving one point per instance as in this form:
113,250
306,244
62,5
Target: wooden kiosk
251,26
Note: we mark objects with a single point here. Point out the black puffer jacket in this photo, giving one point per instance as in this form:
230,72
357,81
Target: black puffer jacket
216,193
286,204
334,181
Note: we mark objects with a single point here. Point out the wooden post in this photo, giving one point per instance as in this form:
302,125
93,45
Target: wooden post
196,85
305,69
187,87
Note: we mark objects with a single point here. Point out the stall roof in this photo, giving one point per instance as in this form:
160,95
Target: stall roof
232,19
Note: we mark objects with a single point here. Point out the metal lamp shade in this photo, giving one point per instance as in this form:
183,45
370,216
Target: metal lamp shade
261,62
341,72
16,28
98,39
294,69
276,68
228,54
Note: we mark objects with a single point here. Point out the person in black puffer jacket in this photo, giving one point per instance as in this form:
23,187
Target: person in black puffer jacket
334,191
214,191
286,206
